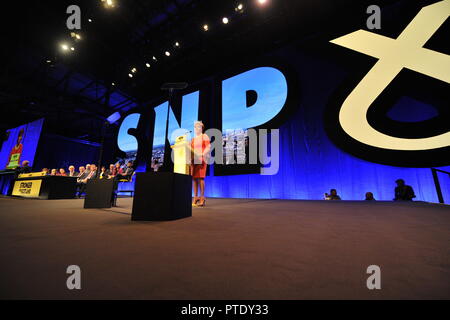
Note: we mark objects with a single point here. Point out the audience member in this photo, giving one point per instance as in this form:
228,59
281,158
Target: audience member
83,181
110,171
332,196
103,174
72,172
53,172
369,196
62,172
25,168
403,192
81,173
126,175
45,171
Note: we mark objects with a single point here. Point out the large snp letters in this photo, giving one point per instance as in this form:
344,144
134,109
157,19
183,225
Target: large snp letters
268,83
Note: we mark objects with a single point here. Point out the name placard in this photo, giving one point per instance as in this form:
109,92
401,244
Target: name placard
27,188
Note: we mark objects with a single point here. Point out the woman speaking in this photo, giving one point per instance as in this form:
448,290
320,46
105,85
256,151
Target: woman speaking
200,147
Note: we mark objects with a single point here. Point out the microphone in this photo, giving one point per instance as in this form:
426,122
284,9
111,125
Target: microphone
174,86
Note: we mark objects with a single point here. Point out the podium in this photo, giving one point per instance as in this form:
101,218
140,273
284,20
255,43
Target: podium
181,155
99,193
160,196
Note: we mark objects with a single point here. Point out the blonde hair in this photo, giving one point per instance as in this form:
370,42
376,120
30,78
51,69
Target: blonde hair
200,124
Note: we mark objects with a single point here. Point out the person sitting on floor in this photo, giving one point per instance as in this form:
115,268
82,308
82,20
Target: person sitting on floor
369,196
403,192
332,196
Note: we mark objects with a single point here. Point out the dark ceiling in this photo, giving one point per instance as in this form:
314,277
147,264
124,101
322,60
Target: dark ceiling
73,90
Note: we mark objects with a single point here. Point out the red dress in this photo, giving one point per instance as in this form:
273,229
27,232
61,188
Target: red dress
199,144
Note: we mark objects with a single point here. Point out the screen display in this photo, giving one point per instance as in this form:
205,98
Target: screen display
20,144
249,100
127,143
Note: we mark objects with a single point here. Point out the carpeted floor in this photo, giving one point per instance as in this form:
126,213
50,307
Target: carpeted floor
231,249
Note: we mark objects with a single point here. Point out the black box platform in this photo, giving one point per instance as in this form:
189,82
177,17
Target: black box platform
162,196
99,193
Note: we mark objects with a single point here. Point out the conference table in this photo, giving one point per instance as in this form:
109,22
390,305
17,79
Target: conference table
38,185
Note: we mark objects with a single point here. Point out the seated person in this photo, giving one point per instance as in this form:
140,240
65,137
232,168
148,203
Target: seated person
117,169
403,192
45,171
25,168
82,181
53,172
110,172
155,165
72,172
81,173
332,196
369,196
103,174
126,175
62,172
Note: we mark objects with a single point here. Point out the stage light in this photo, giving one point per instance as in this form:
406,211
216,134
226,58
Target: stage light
225,20
167,53
177,44
64,46
239,8
147,65
75,35
130,75
133,70
113,118
108,3
49,61
113,84
154,58
72,48
90,20
205,27
262,1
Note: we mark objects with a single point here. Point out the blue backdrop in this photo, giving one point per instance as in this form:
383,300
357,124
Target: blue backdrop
310,164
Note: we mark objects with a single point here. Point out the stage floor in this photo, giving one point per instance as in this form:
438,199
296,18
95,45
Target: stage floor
231,249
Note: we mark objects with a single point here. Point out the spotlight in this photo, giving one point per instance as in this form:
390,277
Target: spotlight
49,61
108,3
239,8
113,118
133,70
177,44
113,84
64,47
205,27
167,53
147,65
75,35
154,58
130,75
90,20
72,48
262,1
225,20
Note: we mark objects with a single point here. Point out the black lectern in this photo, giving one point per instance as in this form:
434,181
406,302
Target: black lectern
162,196
99,193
